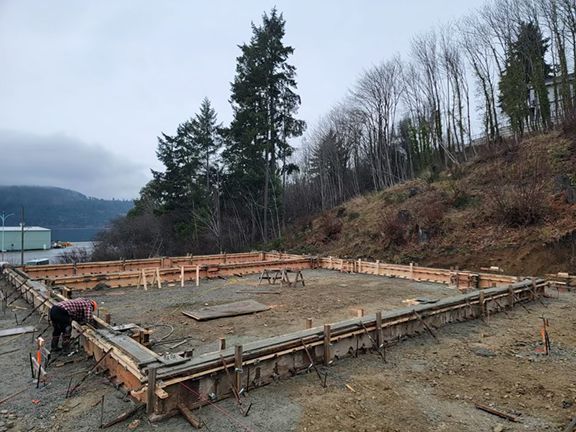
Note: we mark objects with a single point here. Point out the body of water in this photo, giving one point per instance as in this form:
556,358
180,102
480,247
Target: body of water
52,254
75,234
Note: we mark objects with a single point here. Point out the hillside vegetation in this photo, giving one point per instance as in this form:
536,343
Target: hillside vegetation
512,207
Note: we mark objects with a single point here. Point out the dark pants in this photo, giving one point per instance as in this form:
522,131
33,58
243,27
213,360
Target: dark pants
62,324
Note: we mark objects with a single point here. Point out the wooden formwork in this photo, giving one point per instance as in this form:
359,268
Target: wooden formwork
127,273
164,384
184,271
458,278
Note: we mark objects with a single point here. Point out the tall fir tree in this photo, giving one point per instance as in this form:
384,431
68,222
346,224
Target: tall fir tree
526,72
185,188
265,103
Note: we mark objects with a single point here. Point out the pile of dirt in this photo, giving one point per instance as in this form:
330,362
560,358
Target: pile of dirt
513,206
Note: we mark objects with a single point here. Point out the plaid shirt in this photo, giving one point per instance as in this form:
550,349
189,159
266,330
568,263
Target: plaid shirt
80,309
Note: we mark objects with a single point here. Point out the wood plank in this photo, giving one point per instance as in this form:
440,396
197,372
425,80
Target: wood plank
226,310
16,331
142,355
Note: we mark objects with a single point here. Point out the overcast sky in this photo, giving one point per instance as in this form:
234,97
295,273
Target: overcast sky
86,87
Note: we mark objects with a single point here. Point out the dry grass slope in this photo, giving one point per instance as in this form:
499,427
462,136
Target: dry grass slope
512,207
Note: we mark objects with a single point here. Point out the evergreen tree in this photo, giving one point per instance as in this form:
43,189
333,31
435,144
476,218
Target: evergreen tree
264,103
186,190
205,140
526,70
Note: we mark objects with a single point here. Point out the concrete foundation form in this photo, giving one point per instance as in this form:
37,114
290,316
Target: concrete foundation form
166,383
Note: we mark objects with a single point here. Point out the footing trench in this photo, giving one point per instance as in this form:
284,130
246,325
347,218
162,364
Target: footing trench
174,383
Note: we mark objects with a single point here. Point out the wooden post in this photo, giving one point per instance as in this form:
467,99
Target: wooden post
327,345
359,265
510,297
379,338
197,275
144,280
238,368
412,271
182,276
67,292
359,313
158,281
330,265
107,317
481,304
378,267
308,323
151,393
221,343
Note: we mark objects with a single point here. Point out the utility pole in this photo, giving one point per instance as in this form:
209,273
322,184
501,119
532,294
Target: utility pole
4,216
22,237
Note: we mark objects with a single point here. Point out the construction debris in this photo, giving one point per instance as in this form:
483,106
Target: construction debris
17,331
497,412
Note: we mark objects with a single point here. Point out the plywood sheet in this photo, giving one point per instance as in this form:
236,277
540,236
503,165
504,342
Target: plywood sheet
226,310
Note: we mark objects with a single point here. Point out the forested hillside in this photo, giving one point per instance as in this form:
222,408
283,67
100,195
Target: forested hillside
56,208
465,92
513,207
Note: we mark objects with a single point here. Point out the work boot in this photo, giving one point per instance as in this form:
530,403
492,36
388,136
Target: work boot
54,345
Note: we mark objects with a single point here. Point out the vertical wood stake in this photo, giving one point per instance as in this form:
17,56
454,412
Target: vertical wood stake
238,368
327,347
379,338
151,393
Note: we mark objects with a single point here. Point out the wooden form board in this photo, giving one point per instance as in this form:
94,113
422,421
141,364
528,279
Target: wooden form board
16,331
175,274
226,310
125,273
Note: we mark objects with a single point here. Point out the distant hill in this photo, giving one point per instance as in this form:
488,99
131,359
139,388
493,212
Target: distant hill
71,215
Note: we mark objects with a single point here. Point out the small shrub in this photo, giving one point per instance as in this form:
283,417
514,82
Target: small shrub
341,212
520,198
330,227
393,230
74,255
458,197
353,215
431,212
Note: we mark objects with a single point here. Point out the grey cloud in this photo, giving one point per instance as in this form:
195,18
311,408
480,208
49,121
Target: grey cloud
64,161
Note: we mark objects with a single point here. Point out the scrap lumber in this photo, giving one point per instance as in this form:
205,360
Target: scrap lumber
226,310
17,331
496,412
426,326
191,418
124,416
7,398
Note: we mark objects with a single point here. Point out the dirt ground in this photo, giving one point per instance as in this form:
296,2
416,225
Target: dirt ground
424,386
328,296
